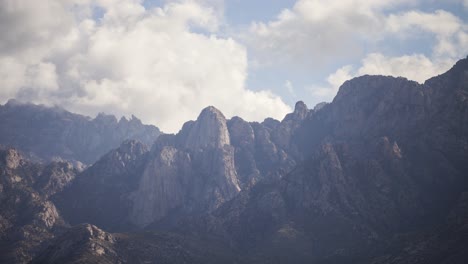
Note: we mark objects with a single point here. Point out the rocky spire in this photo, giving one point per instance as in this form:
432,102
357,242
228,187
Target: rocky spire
210,130
300,110
299,114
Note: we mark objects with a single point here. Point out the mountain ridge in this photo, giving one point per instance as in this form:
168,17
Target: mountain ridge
376,176
49,133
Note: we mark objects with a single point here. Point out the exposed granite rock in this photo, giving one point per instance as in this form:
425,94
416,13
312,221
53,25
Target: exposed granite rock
192,171
300,112
244,141
263,151
210,130
374,159
163,186
55,177
376,176
27,218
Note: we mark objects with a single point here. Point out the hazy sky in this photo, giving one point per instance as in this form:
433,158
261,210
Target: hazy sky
166,60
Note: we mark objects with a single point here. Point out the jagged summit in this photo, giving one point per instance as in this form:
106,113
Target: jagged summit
210,109
300,109
209,130
300,112
351,183
46,133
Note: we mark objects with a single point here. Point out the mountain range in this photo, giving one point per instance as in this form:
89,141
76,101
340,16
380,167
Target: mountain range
378,175
52,133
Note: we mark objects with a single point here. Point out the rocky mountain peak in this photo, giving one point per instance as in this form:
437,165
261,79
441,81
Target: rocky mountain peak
209,130
300,112
300,109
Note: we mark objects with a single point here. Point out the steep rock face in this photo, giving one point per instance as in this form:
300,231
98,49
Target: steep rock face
374,159
321,211
132,187
27,218
190,172
290,123
162,187
205,165
100,194
263,151
376,176
52,133
243,139
210,130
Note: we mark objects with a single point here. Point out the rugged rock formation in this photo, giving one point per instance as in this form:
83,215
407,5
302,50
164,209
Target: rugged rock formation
209,131
27,218
376,176
45,133
192,171
205,165
100,194
384,163
264,150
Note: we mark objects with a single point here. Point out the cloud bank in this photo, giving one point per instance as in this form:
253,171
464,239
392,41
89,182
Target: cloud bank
162,64
165,63
375,34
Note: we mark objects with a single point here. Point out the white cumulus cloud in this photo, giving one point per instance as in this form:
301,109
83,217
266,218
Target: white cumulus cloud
314,32
153,63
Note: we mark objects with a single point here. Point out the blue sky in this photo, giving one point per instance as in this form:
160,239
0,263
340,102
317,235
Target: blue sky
165,60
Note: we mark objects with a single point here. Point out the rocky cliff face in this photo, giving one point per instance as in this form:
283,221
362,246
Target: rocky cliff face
205,165
27,218
45,133
189,172
382,165
209,131
264,150
376,176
